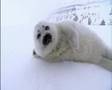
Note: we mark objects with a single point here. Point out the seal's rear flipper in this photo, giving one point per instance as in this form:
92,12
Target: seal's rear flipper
106,63
108,53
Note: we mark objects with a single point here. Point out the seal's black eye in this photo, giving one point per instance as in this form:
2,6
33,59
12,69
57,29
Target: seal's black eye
46,27
38,36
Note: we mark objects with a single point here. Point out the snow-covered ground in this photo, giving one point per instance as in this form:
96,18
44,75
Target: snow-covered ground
21,71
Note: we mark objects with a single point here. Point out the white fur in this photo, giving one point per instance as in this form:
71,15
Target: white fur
74,42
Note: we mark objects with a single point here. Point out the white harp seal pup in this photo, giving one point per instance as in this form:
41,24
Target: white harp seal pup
69,40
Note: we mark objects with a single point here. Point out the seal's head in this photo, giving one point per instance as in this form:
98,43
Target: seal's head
45,38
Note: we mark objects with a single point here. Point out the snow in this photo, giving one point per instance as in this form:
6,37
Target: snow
21,71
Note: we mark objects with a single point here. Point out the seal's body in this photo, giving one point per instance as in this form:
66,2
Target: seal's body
69,41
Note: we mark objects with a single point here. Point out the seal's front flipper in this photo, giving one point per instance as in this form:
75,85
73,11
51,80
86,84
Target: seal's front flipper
35,54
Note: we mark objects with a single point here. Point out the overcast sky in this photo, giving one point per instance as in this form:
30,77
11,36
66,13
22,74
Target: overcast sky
16,12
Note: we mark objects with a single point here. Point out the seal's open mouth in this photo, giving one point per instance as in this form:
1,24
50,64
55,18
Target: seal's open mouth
47,39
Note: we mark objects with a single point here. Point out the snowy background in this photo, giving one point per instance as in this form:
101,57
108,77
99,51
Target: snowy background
21,71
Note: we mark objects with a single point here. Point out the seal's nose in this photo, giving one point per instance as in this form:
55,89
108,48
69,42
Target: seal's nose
47,39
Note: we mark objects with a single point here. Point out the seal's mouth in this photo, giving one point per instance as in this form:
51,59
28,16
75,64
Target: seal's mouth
47,39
